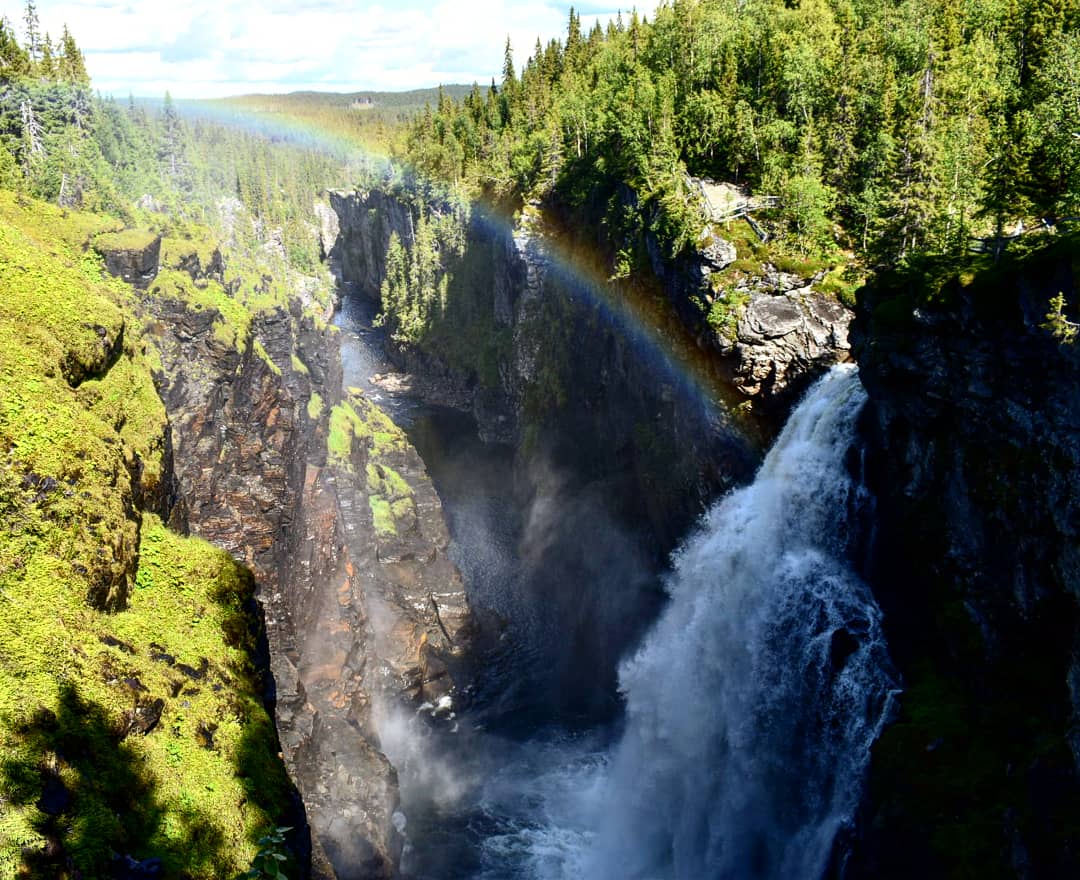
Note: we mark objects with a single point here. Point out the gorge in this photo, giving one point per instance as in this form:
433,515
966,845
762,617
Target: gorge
660,465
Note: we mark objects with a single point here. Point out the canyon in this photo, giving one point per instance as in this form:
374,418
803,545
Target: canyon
378,656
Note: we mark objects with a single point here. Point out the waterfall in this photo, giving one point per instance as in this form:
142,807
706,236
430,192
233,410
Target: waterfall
753,703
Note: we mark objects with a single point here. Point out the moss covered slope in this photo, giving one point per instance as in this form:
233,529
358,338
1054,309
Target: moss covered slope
130,723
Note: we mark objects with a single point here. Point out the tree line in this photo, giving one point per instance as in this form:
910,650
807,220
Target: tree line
887,129
62,143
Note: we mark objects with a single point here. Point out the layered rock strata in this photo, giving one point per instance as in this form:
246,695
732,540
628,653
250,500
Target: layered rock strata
354,615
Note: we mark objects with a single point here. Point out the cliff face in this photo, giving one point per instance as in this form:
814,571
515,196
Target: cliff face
772,333
356,613
559,373
973,452
133,741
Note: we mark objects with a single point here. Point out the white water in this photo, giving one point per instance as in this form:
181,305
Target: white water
749,720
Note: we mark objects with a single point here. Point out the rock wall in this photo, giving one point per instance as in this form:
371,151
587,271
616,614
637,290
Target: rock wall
352,617
973,452
576,387
783,333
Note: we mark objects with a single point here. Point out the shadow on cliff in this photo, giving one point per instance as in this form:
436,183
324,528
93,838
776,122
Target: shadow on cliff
98,809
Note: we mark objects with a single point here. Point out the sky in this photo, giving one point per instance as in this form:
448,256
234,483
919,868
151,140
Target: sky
212,48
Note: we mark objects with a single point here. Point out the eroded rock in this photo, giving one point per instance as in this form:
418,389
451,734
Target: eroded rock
353,616
781,340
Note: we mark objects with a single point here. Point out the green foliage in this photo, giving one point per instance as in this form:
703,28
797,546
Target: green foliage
272,857
1056,323
415,291
881,128
725,311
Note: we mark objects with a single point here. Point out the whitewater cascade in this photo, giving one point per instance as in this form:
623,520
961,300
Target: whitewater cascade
753,703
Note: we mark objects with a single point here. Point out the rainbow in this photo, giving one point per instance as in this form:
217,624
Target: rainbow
635,307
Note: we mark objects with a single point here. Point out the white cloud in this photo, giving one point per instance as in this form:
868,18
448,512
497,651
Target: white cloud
202,48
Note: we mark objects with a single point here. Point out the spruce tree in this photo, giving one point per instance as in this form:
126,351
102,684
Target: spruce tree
14,60
33,30
72,66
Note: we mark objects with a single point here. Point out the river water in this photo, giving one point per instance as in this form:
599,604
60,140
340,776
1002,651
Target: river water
733,744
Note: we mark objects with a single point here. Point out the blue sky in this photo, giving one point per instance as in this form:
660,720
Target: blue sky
210,48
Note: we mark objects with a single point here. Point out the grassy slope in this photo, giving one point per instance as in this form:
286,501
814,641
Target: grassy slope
106,618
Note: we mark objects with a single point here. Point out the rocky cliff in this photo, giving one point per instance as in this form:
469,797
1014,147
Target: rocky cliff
133,741
551,367
973,452
321,496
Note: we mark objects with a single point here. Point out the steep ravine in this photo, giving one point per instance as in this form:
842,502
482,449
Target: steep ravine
969,446
608,447
315,490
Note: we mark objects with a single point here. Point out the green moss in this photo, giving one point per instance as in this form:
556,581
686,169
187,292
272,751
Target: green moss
58,231
233,323
299,366
186,791
359,421
344,425
127,240
382,515
81,437
190,243
314,406
264,355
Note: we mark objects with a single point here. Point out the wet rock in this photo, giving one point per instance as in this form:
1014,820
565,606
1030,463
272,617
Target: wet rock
114,642
144,717
158,655
972,451
193,673
204,734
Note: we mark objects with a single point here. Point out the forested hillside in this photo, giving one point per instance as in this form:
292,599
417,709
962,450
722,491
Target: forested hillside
61,143
885,129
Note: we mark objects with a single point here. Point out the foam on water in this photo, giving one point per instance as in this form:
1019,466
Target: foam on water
753,703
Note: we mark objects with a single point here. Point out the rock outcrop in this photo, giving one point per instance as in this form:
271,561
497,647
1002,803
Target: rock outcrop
133,255
973,453
781,338
356,237
354,615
